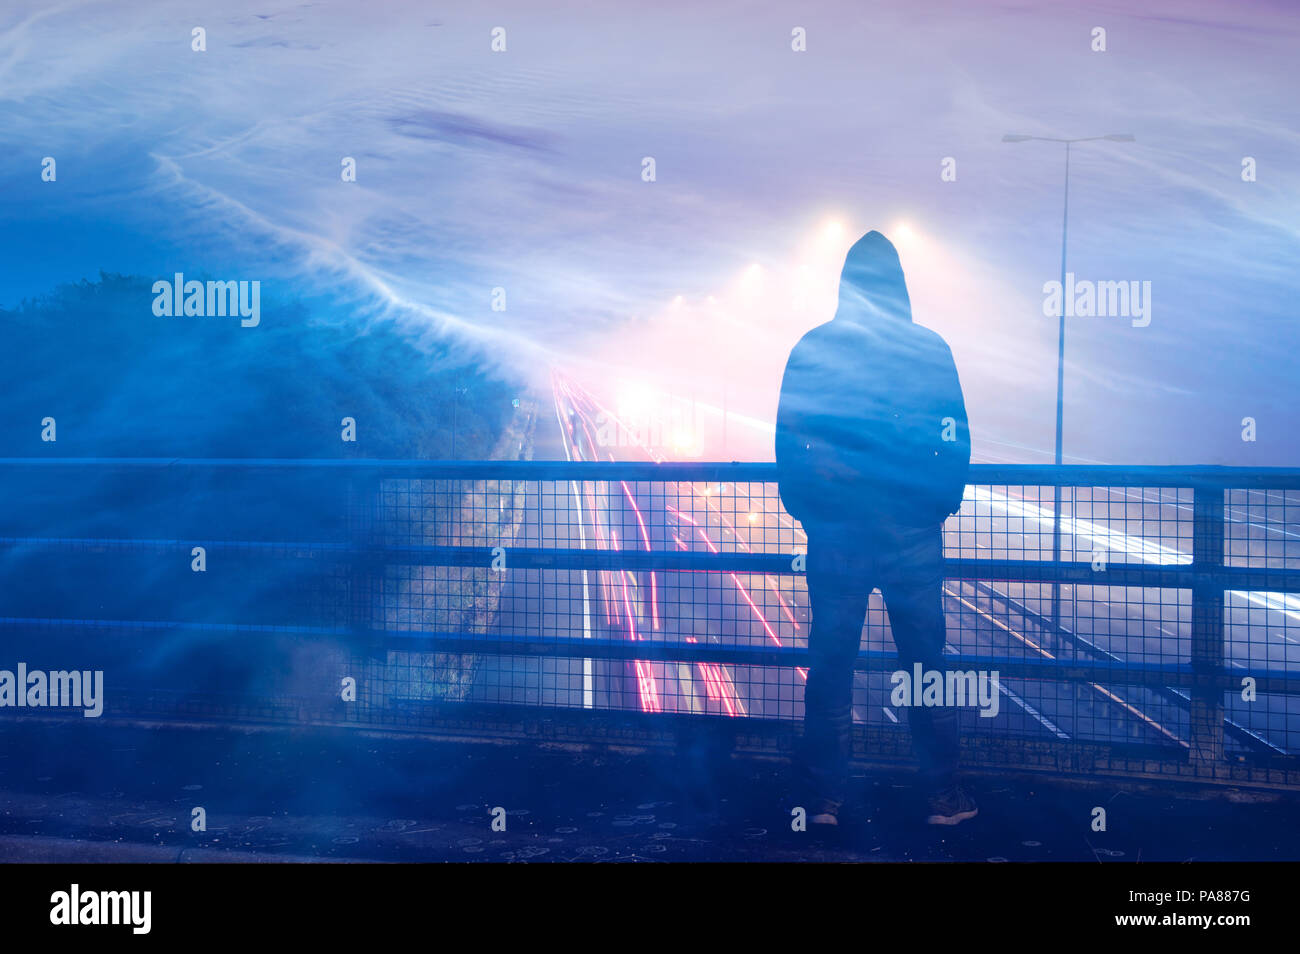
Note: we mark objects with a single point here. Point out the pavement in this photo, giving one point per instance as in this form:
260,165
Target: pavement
126,793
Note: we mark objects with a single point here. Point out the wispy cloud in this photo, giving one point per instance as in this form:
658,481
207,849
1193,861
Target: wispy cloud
522,170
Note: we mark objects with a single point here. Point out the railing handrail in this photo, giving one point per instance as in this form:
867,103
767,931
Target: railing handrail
1117,572
1069,475
1199,683
1116,671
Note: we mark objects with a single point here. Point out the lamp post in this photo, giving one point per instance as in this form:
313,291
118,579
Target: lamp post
1060,346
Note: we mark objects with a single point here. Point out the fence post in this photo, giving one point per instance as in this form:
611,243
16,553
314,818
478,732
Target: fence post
364,519
1207,652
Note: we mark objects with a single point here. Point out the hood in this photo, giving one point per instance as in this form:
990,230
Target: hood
872,287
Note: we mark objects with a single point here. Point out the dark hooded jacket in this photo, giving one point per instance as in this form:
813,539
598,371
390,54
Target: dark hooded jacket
871,432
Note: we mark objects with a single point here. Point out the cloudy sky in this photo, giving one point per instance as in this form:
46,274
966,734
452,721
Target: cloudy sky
522,169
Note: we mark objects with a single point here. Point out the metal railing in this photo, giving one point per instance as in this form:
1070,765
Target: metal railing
621,603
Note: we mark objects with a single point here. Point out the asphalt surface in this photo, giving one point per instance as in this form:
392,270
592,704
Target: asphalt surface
101,792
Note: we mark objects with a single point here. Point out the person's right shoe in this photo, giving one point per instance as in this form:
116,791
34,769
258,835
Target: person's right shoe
823,817
950,806
823,811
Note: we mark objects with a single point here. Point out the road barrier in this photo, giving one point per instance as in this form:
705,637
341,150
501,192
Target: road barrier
638,604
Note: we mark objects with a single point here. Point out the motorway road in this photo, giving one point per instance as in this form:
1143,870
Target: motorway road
986,619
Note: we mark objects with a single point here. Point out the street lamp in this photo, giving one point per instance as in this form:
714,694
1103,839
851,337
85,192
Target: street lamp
1060,345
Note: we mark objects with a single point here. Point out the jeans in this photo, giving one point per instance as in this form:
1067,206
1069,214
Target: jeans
843,568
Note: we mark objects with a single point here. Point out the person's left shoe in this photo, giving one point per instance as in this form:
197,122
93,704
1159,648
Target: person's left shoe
951,806
824,814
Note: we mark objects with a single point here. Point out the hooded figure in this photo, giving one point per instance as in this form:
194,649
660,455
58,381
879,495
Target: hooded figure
871,432
872,451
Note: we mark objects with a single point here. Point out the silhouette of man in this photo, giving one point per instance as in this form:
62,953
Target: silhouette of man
872,452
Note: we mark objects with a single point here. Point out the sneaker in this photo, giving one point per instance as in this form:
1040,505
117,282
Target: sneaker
824,814
825,830
951,806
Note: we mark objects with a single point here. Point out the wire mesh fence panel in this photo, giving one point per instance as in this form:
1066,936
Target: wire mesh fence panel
1152,621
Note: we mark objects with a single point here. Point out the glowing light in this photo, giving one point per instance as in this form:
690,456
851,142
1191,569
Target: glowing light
686,442
634,399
